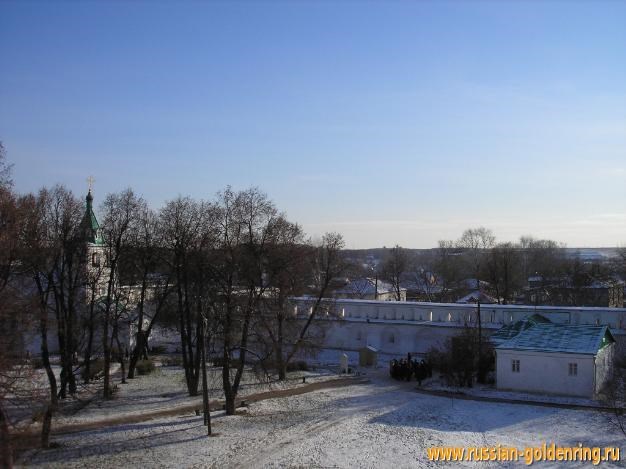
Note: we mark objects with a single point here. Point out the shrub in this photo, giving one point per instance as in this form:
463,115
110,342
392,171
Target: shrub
300,365
158,349
145,367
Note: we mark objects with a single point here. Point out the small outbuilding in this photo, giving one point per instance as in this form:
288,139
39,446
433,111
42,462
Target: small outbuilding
368,356
543,357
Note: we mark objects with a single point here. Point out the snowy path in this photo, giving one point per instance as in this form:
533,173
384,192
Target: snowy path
380,424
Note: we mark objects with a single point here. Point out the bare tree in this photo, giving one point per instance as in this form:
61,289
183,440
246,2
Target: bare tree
186,236
6,183
245,221
147,267
52,258
287,274
447,265
542,257
395,264
328,264
614,393
503,271
476,242
97,274
118,225
295,267
10,227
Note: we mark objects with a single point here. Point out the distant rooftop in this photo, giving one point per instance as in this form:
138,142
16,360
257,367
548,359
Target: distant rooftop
477,296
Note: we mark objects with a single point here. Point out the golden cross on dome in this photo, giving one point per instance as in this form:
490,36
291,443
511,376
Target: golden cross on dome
90,181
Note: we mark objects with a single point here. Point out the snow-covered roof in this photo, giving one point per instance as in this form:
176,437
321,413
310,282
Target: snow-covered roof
511,330
560,338
476,296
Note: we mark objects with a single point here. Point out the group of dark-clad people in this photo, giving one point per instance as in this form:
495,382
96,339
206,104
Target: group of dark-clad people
405,368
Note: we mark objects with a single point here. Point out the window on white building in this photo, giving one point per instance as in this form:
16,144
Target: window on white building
515,366
573,369
392,338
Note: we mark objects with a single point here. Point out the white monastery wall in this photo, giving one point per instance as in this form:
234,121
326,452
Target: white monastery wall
398,327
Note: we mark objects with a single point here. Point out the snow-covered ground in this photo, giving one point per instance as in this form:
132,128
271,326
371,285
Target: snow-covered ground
489,391
379,424
165,389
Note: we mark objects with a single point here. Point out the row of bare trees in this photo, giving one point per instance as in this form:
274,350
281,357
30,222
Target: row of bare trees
477,261
221,272
234,264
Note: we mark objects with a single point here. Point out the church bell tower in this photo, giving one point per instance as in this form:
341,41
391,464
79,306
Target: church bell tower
97,268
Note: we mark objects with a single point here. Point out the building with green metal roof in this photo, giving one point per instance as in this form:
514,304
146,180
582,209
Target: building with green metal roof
91,227
540,356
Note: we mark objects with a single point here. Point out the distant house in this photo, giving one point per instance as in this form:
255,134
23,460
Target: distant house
475,297
539,356
582,291
370,289
421,285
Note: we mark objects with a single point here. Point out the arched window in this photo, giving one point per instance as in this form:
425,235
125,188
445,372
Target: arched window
392,339
95,260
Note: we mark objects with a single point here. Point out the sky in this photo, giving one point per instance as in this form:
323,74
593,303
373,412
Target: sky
390,122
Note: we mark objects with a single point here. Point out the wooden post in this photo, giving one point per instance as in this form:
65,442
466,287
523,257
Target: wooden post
205,388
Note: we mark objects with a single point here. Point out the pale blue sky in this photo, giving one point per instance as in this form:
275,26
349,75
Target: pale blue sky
391,122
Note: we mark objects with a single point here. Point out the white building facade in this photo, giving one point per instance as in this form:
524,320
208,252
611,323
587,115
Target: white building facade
556,359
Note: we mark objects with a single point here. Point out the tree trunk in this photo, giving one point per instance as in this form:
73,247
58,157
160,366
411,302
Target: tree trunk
6,452
90,333
282,372
46,427
230,403
134,356
110,304
139,337
45,357
280,360
205,390
120,355
107,358
229,394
